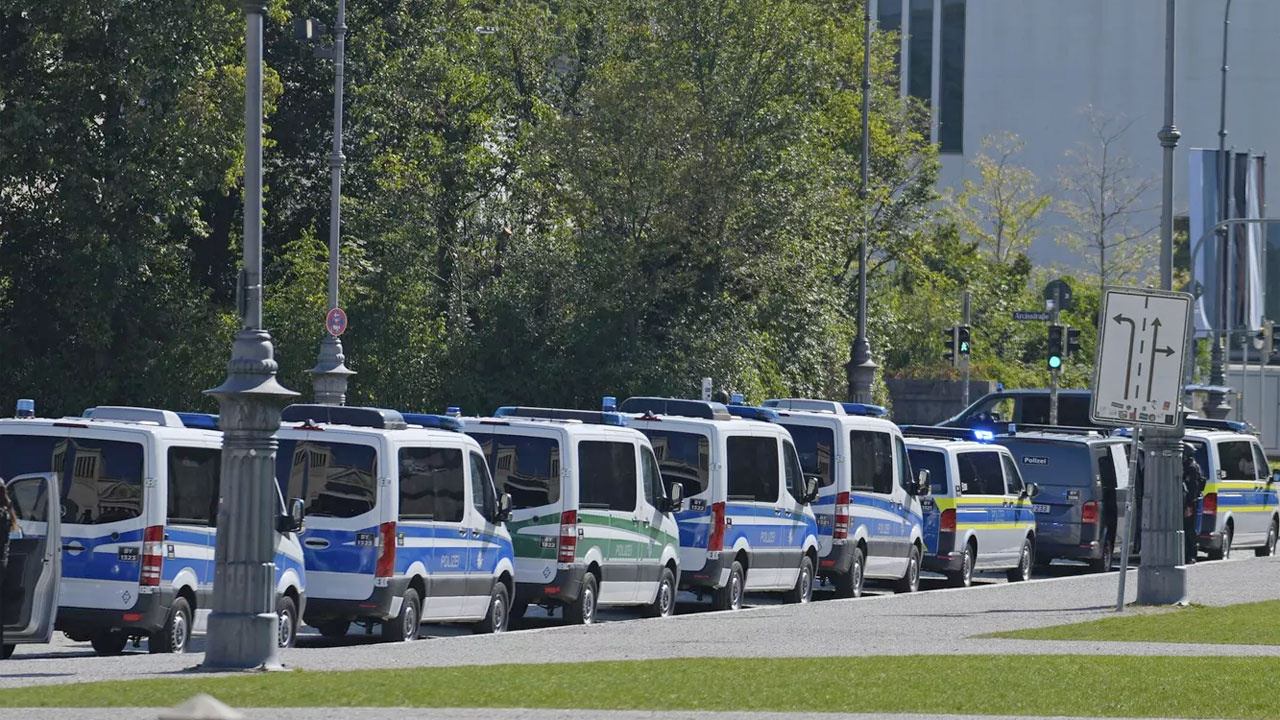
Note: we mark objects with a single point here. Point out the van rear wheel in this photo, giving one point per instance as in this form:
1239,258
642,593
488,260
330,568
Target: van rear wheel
964,576
6,651
729,597
1104,563
173,637
583,610
849,585
664,603
109,644
404,627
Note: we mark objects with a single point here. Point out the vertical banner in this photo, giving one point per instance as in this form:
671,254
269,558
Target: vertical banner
1203,209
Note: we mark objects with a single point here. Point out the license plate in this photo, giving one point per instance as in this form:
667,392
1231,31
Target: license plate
1039,508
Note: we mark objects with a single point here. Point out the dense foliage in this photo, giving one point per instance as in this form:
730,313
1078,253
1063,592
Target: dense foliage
602,197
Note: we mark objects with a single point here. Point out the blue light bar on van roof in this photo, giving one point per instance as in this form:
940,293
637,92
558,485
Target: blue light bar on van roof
586,416
735,399
26,408
983,435
701,409
199,421
379,418
439,422
753,413
948,433
609,404
865,409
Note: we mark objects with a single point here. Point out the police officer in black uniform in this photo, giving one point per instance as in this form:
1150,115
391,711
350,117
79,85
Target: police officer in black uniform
1192,487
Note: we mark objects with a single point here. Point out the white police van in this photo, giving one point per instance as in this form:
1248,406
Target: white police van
978,515
591,520
402,522
1240,507
138,493
869,514
748,527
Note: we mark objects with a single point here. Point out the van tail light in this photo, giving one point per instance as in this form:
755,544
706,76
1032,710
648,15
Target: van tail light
948,521
386,566
568,536
152,555
841,529
715,543
1210,504
1089,512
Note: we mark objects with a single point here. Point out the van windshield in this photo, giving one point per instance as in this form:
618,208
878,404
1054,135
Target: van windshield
816,446
334,479
527,468
682,457
1052,463
100,480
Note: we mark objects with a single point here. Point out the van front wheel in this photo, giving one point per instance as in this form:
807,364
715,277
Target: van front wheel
849,585
803,590
495,621
664,604
286,622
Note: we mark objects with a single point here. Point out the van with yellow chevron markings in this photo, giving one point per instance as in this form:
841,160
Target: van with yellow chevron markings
978,515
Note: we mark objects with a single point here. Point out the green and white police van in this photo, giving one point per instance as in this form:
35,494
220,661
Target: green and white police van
591,522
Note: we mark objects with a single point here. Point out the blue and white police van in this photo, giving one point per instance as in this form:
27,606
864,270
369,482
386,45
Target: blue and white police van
139,492
402,522
747,526
870,519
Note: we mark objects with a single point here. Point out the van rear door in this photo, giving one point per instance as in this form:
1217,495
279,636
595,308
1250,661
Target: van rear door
35,560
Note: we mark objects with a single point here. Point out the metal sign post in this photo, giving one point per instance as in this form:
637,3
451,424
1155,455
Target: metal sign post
1137,382
1128,518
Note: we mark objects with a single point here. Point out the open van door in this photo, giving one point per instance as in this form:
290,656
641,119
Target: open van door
35,561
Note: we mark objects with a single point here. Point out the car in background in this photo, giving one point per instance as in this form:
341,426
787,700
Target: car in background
1024,407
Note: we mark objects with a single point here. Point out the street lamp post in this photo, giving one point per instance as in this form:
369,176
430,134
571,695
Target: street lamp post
1216,405
862,369
243,626
330,376
1162,578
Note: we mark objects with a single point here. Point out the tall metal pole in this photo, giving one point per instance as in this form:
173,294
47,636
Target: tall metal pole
330,376
1055,373
1216,405
1162,579
966,314
243,626
862,369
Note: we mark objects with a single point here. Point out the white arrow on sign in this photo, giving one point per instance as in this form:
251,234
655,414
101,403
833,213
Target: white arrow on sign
1137,374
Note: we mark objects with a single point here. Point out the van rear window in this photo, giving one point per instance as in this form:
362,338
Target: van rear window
527,468
816,446
334,479
682,457
752,468
607,475
1052,463
100,480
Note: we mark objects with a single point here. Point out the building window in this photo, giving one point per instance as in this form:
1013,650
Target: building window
920,51
889,19
951,111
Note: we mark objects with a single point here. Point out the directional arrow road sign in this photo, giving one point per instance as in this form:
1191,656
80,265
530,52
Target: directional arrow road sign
1137,375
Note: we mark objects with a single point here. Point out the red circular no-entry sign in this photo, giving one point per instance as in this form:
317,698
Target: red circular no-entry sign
336,322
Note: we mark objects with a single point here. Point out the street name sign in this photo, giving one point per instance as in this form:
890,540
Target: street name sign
1032,315
1142,341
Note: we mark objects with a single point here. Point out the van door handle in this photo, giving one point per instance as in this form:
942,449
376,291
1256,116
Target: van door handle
777,511
462,531
475,533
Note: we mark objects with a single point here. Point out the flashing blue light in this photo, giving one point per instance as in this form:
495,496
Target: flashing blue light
865,409
438,422
609,404
26,408
753,413
735,399
199,421
999,387
984,436
453,411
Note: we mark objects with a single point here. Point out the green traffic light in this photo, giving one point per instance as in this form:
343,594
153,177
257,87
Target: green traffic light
1055,362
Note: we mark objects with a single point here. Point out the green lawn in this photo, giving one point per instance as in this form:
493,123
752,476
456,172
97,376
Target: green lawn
1245,624
1008,685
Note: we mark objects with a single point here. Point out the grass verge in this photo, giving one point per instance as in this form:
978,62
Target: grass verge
984,684
1244,624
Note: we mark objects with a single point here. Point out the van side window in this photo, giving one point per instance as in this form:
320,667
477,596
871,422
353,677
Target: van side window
335,479
936,463
193,485
816,446
1012,478
752,467
1260,462
1236,460
981,473
607,475
871,461
483,498
526,468
1106,468
795,475
431,484
652,478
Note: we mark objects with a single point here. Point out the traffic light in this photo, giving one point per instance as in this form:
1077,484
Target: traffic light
1073,341
950,338
962,340
1055,347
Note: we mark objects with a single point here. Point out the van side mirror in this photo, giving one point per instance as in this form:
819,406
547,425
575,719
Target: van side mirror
1031,490
923,487
810,489
675,498
503,512
292,522
1275,477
